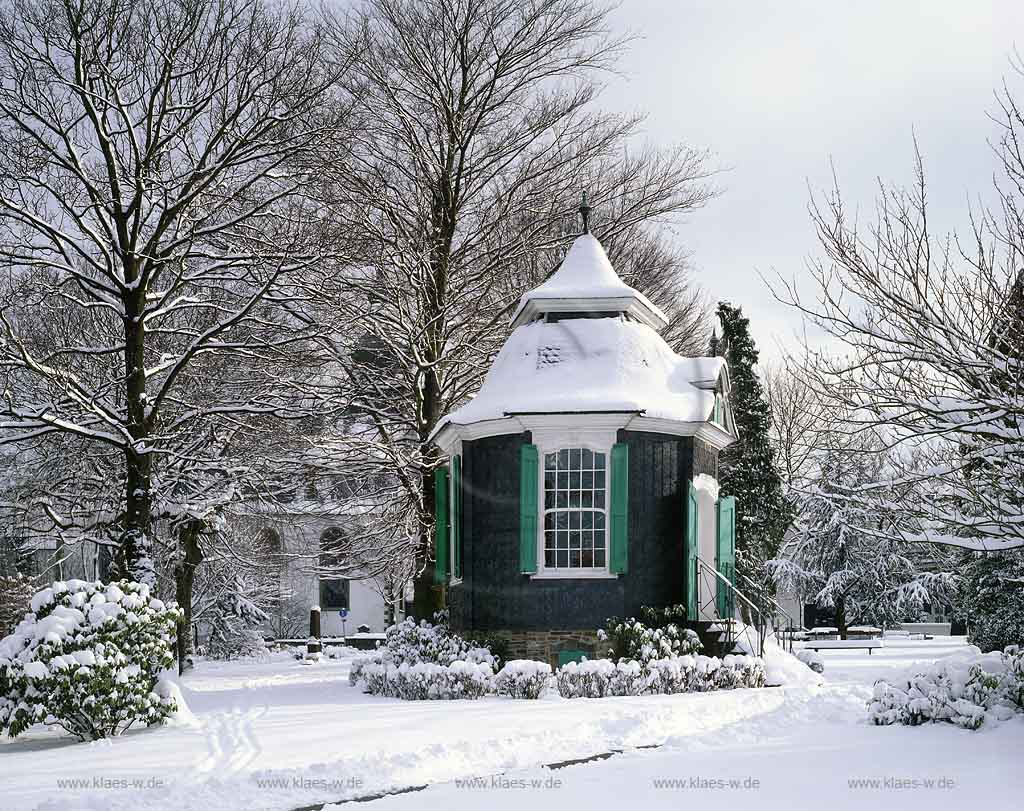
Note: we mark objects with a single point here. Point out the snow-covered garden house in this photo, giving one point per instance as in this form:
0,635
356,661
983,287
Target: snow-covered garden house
580,481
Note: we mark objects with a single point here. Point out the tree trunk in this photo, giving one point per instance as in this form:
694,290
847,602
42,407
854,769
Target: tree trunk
841,617
134,560
184,580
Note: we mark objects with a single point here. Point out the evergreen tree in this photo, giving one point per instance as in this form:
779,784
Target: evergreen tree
841,560
747,468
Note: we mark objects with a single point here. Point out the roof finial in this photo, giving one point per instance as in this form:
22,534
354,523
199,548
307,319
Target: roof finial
585,213
714,343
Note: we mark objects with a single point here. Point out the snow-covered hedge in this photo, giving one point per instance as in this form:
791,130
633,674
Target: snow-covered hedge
677,674
87,657
424,661
964,689
658,634
522,678
426,680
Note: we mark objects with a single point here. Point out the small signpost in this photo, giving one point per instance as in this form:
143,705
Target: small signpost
343,613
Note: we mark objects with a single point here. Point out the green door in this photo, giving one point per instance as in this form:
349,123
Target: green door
726,555
690,553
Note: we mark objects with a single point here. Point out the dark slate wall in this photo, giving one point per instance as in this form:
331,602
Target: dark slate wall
705,458
495,596
657,465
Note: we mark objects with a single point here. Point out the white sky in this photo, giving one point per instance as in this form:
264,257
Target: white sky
778,89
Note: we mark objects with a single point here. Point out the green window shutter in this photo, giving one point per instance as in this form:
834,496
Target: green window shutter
441,526
618,555
691,552
528,463
457,517
726,554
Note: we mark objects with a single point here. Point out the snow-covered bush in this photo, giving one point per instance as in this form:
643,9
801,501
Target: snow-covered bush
425,680
236,628
522,678
409,642
964,690
88,657
658,634
676,674
15,594
453,667
812,659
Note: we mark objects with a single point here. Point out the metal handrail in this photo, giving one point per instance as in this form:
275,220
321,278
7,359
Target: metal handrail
778,607
759,625
790,626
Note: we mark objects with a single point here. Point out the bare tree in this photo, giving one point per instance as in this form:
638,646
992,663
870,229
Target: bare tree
152,214
479,133
933,332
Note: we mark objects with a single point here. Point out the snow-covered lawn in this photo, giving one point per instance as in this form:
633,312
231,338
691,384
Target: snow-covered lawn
280,735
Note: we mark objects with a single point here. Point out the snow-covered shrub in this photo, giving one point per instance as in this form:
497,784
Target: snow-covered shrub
812,659
427,681
88,657
964,690
236,628
453,667
411,642
522,678
658,634
675,674
15,594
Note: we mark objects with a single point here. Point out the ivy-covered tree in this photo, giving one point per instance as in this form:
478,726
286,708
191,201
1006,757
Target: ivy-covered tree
747,468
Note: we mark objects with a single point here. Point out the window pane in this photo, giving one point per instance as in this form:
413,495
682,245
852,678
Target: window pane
574,503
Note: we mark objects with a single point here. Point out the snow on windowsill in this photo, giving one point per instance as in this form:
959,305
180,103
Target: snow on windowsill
573,574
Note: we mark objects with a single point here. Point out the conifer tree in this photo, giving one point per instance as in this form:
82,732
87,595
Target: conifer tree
747,468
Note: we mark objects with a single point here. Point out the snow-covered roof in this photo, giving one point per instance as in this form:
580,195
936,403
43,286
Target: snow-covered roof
593,365
587,282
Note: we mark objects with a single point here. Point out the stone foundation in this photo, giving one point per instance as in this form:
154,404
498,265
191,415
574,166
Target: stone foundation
545,646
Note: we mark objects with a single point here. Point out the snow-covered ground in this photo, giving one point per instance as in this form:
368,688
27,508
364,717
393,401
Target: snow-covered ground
280,735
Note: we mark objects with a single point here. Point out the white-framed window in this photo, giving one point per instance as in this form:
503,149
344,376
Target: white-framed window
574,513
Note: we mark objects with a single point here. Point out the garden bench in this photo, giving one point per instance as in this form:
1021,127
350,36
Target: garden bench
845,644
